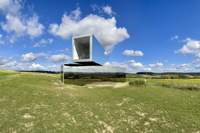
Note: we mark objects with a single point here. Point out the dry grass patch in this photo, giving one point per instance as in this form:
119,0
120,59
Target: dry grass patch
107,84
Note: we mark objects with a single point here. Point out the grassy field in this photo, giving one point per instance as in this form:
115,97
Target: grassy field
31,102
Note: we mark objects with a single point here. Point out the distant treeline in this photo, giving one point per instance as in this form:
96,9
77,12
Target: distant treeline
169,73
40,71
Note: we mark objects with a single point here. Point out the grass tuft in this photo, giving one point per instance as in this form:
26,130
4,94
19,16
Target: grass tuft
138,82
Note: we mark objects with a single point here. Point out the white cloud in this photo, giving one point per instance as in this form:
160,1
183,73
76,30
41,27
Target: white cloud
1,41
156,65
43,42
76,14
191,47
10,6
103,9
59,58
15,66
115,64
147,69
14,24
62,50
36,67
137,65
38,45
21,26
174,37
197,56
196,61
53,68
34,28
197,67
132,53
183,66
106,53
131,61
104,29
18,24
131,66
108,10
3,60
28,57
95,7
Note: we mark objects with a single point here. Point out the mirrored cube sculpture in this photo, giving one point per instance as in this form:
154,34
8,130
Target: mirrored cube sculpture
89,59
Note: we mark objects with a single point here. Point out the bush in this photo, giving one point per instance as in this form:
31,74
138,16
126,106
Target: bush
137,83
106,79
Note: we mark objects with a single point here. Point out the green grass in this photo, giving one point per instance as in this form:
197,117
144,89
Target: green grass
40,103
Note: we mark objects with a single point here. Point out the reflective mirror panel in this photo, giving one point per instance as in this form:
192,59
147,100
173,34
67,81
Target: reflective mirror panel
82,48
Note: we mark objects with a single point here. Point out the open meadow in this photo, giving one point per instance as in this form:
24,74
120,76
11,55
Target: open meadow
33,102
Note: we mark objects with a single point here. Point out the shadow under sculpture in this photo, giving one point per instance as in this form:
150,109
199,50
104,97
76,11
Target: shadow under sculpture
88,54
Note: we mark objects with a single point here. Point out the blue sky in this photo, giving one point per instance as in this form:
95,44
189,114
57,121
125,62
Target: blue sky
141,35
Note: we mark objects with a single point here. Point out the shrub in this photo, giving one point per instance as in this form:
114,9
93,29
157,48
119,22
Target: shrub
137,83
106,79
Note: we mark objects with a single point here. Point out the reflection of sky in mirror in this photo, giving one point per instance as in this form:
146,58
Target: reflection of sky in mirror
94,69
82,47
98,52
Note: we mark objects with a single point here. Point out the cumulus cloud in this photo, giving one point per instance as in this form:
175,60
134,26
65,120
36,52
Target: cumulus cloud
59,58
183,66
10,6
131,66
33,27
18,24
147,69
36,67
197,56
103,9
15,66
197,67
21,26
66,50
95,7
115,64
105,30
1,41
174,38
132,53
29,57
156,65
53,68
108,10
43,42
191,47
14,24
137,65
196,61
3,60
